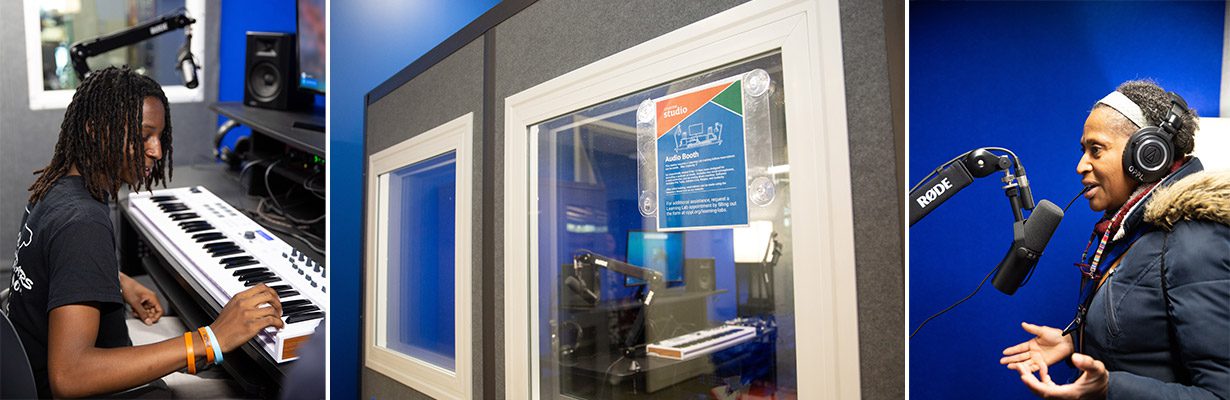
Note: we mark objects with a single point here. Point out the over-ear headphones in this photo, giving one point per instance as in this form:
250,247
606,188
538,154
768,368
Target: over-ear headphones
237,154
1150,151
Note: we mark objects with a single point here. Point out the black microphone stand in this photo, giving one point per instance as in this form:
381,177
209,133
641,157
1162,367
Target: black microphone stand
953,176
83,50
654,282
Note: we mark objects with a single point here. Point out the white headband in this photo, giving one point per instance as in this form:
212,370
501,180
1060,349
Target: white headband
1125,106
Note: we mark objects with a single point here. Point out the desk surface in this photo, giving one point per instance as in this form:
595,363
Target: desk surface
188,296
278,123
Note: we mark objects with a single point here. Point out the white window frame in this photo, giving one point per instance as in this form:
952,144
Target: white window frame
42,99
456,135
808,34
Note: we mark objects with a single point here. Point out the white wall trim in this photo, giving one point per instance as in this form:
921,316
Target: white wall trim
1225,66
41,99
808,34
456,135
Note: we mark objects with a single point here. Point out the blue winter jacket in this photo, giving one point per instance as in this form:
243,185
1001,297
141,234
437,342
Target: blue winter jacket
1161,321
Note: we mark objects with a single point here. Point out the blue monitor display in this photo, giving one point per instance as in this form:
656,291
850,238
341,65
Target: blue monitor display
311,36
660,251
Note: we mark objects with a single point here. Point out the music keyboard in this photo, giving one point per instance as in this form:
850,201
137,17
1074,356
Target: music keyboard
227,253
696,344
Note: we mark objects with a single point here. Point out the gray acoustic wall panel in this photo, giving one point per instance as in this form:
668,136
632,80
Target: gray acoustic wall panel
27,138
378,386
877,201
440,94
449,89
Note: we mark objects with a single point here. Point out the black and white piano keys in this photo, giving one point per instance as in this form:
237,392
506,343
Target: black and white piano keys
228,253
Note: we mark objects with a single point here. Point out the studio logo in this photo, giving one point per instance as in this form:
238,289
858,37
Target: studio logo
674,111
1151,155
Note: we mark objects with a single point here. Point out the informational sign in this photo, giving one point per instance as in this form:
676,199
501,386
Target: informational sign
701,157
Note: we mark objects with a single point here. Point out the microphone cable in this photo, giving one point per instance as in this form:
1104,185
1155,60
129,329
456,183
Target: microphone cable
954,305
989,274
1012,156
1078,195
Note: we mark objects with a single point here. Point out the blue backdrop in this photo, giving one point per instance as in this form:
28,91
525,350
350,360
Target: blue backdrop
370,40
239,17
1022,76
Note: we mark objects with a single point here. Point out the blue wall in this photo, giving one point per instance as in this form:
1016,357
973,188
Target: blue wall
239,17
370,41
1022,76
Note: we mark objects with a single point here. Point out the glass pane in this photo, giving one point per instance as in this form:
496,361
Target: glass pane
595,333
422,209
65,22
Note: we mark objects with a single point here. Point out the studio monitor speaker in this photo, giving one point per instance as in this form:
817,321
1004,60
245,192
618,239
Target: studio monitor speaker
271,73
698,275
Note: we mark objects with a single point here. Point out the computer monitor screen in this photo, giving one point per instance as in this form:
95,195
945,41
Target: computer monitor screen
660,251
312,45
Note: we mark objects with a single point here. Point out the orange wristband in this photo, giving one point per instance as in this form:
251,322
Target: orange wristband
209,351
191,353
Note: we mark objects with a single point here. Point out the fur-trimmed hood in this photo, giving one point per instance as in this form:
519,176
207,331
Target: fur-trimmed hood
1203,195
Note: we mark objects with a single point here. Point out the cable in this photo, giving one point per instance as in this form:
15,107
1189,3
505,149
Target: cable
282,210
1015,161
938,169
287,219
1078,195
268,189
310,180
984,280
318,192
287,229
280,221
609,367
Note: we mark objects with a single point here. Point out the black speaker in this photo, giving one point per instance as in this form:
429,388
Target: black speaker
271,76
698,275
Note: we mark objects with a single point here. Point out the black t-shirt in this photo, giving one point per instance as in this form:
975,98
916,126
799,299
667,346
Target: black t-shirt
65,255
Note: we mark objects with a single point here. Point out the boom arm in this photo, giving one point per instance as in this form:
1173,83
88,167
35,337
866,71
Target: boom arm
653,279
83,50
958,173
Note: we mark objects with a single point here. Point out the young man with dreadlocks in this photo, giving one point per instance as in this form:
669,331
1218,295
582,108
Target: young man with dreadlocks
68,294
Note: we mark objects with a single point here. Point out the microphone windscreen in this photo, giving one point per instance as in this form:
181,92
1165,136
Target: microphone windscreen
578,287
1041,225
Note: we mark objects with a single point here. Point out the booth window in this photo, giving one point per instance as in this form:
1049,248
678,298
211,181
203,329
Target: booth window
52,27
418,291
422,223
721,318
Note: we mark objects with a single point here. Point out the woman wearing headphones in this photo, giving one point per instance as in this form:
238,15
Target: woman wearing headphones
1154,319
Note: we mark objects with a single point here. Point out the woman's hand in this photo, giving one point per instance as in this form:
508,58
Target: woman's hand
1048,347
1092,384
144,302
247,314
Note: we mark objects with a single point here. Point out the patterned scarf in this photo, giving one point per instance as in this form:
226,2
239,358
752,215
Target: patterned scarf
1110,226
